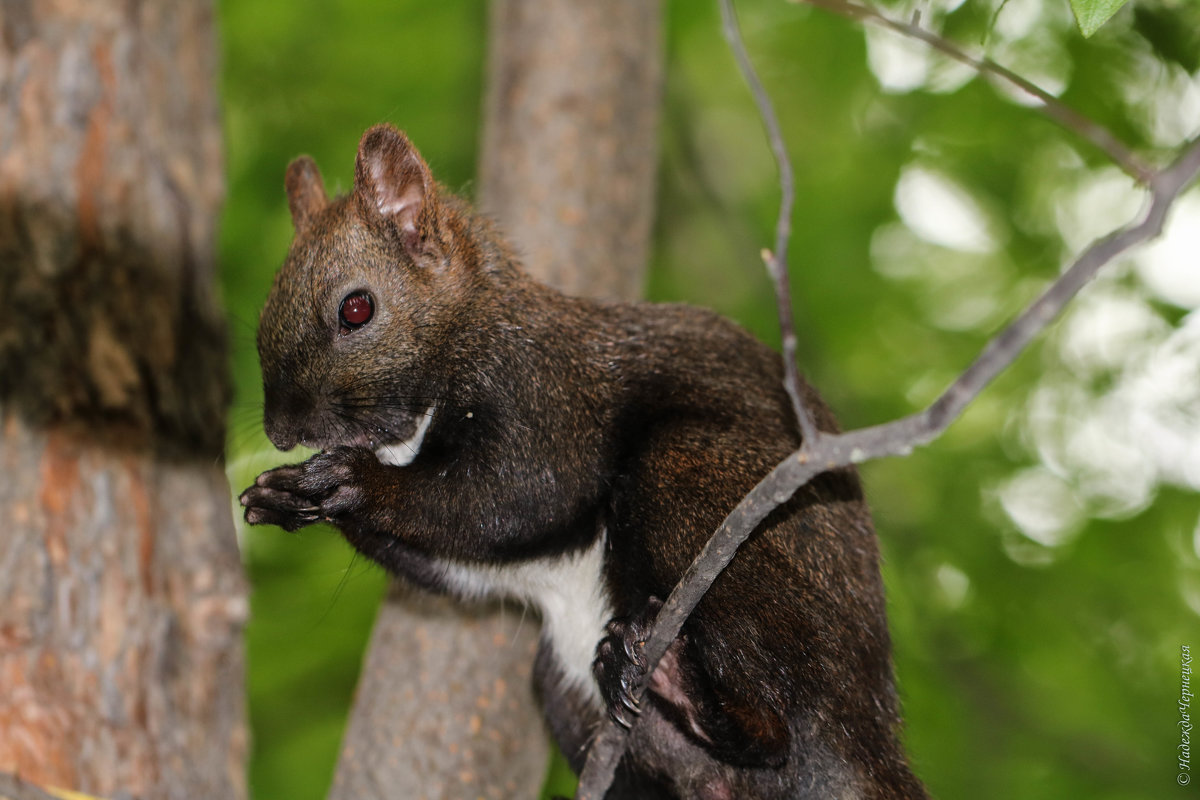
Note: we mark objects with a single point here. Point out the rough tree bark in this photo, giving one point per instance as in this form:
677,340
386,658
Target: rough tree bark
121,592
444,707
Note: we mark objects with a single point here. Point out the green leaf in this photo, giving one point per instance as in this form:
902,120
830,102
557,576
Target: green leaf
1091,14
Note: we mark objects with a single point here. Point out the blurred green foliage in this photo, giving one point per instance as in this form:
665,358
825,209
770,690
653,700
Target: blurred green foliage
1029,668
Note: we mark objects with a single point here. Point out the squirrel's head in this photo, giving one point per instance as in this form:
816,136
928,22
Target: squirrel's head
371,290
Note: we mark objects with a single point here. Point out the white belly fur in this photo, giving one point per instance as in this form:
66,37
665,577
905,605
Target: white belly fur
569,593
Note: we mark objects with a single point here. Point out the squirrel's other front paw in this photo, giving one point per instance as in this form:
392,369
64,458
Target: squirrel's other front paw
621,663
339,477
326,487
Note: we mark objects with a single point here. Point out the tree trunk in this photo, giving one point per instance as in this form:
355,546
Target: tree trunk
121,592
570,139
444,707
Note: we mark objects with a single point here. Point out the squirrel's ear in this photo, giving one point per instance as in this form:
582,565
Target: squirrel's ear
305,191
391,179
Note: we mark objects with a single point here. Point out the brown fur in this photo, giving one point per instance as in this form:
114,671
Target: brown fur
557,420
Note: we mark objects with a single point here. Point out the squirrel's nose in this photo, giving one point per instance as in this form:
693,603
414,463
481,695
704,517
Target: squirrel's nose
283,435
284,419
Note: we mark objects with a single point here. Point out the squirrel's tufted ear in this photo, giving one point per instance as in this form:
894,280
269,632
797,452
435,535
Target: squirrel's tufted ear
305,191
391,180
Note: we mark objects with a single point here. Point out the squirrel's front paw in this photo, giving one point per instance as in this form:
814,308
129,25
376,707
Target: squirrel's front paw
621,663
326,487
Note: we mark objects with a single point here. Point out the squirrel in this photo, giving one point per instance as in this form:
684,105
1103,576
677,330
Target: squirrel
482,434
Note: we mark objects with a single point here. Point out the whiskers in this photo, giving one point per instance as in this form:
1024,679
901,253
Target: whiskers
349,572
378,402
377,410
244,430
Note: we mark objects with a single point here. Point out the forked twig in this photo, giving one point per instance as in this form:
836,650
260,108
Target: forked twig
895,438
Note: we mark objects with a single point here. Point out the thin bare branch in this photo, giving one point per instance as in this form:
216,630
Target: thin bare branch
776,261
899,437
1054,108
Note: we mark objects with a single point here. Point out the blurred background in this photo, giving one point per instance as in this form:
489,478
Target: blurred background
1042,559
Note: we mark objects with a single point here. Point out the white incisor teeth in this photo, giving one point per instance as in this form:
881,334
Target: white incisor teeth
400,454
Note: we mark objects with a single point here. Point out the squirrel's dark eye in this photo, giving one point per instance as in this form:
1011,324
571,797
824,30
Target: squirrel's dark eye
356,310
